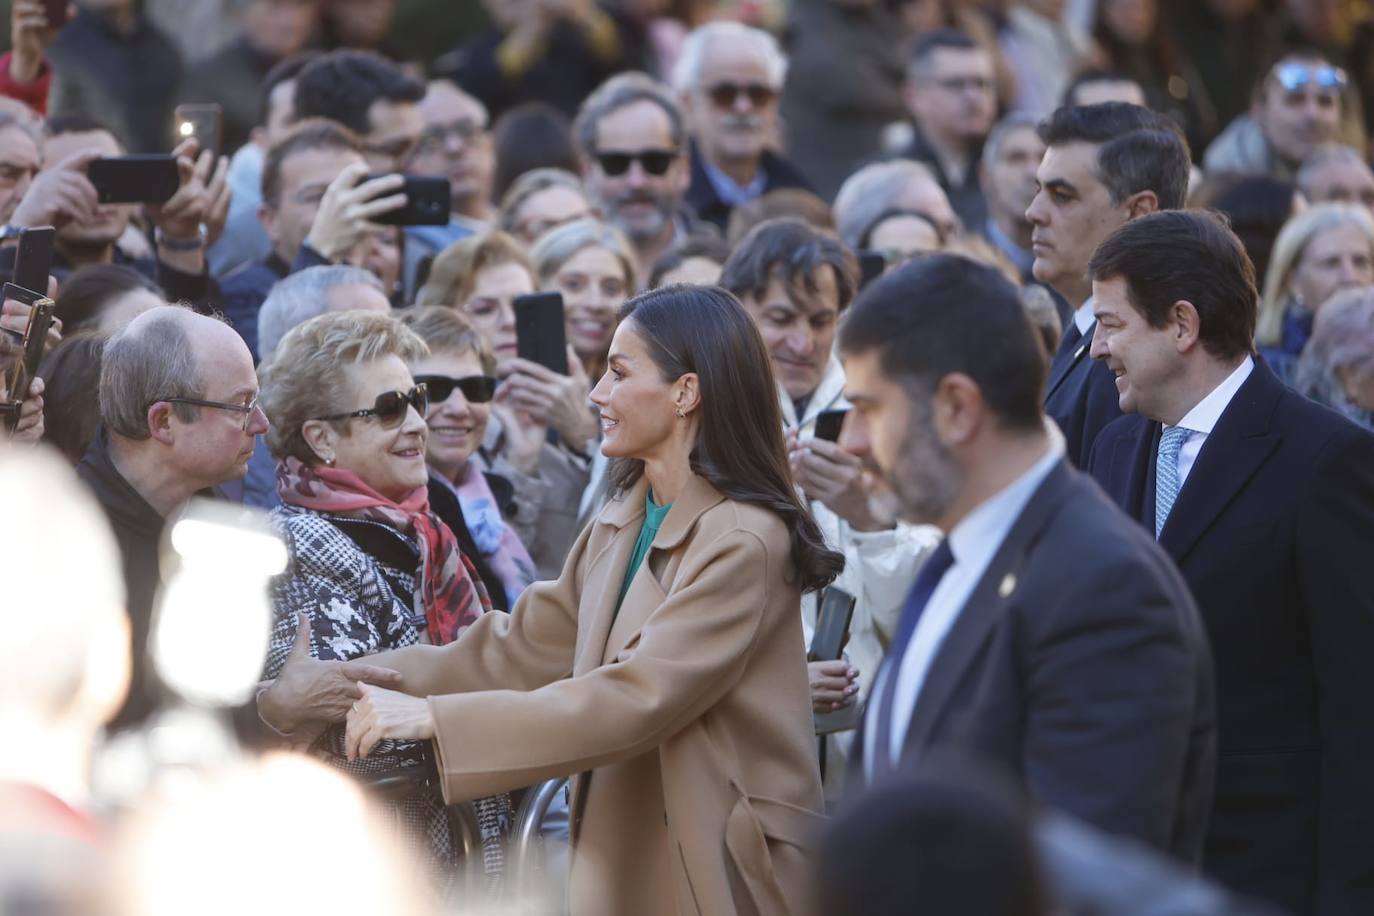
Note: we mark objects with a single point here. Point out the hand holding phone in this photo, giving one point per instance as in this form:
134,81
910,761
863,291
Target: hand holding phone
829,424
348,211
32,344
202,122
541,331
60,195
140,179
427,202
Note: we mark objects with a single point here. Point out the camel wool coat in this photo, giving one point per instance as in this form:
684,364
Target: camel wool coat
686,717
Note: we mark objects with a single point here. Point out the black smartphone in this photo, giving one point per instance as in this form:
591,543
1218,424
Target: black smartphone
829,423
56,11
540,336
427,202
871,265
35,339
142,179
204,121
33,257
827,644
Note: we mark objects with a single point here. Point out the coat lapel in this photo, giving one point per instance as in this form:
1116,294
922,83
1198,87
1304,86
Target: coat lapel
1235,449
1070,354
984,608
605,574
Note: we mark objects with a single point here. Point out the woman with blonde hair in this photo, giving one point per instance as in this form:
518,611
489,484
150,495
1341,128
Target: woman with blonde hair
1319,252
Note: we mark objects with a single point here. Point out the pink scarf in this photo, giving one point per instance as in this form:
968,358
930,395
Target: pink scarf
449,588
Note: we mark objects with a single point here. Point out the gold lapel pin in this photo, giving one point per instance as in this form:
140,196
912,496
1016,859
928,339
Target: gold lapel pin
1008,585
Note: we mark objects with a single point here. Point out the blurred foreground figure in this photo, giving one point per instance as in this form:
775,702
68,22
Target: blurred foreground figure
64,670
281,827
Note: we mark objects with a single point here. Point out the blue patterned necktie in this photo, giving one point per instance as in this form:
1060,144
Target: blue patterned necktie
932,571
1166,473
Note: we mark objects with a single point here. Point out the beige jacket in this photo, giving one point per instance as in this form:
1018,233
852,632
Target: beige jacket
687,715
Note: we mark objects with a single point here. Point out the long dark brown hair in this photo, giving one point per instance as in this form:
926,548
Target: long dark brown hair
739,448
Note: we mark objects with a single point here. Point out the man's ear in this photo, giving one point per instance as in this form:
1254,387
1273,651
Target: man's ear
160,423
1186,325
267,218
1141,203
957,409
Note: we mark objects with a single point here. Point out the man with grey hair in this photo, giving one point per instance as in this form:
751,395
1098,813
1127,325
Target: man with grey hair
179,414
899,184
630,136
293,301
729,77
1337,174
1011,157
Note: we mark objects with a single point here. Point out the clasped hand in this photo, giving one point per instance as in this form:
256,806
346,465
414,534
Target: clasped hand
380,714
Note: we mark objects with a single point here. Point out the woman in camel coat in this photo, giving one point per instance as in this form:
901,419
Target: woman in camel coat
665,667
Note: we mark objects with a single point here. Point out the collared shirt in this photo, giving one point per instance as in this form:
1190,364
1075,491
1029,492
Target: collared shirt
973,542
730,192
1083,317
1202,419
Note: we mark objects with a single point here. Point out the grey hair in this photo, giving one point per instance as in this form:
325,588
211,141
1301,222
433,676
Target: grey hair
1333,153
1288,250
530,184
1017,120
302,296
145,365
614,94
556,246
687,71
1342,339
868,192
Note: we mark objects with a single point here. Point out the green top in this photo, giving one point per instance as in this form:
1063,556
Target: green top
653,519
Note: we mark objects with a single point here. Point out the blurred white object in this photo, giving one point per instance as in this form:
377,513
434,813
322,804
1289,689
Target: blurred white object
213,619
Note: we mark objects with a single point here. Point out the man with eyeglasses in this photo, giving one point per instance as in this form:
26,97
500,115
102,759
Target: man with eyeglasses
952,98
369,95
1296,110
630,137
179,413
729,77
454,144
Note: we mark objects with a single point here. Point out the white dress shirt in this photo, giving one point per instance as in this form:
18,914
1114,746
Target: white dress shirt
973,543
1202,419
1083,317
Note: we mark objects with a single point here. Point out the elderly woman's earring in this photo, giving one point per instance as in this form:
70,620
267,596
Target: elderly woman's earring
329,461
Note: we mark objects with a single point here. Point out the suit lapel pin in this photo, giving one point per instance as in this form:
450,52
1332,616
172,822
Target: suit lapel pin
1079,352
1008,586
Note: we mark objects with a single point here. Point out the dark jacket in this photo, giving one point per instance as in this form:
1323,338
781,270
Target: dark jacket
1079,662
137,529
1080,393
444,503
199,290
966,197
127,82
1273,529
703,200
245,289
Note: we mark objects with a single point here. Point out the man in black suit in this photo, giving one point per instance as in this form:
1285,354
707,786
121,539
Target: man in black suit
1104,165
1047,631
1266,503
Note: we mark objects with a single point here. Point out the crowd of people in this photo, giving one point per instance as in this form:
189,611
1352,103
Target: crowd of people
952,501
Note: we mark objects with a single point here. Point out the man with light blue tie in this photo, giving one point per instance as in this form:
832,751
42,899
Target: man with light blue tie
1265,501
1047,631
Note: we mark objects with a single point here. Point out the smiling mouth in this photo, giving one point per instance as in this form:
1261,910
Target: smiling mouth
607,423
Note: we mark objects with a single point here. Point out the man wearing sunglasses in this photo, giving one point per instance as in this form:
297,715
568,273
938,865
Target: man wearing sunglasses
729,77
630,136
1296,110
180,415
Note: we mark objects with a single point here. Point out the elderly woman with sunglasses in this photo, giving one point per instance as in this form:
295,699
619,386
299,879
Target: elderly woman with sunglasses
372,567
459,374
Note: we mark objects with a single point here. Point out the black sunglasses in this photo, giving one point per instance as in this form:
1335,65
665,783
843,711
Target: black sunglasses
653,161
390,407
724,95
477,389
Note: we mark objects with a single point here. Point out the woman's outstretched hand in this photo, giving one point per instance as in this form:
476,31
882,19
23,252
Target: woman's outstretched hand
382,714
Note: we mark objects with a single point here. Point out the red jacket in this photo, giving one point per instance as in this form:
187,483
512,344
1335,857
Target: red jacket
33,94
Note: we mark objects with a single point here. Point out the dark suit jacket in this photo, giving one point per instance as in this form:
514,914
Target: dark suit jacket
1080,393
1080,663
1272,530
701,195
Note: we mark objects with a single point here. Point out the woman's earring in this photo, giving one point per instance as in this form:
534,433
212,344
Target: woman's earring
329,461
679,413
